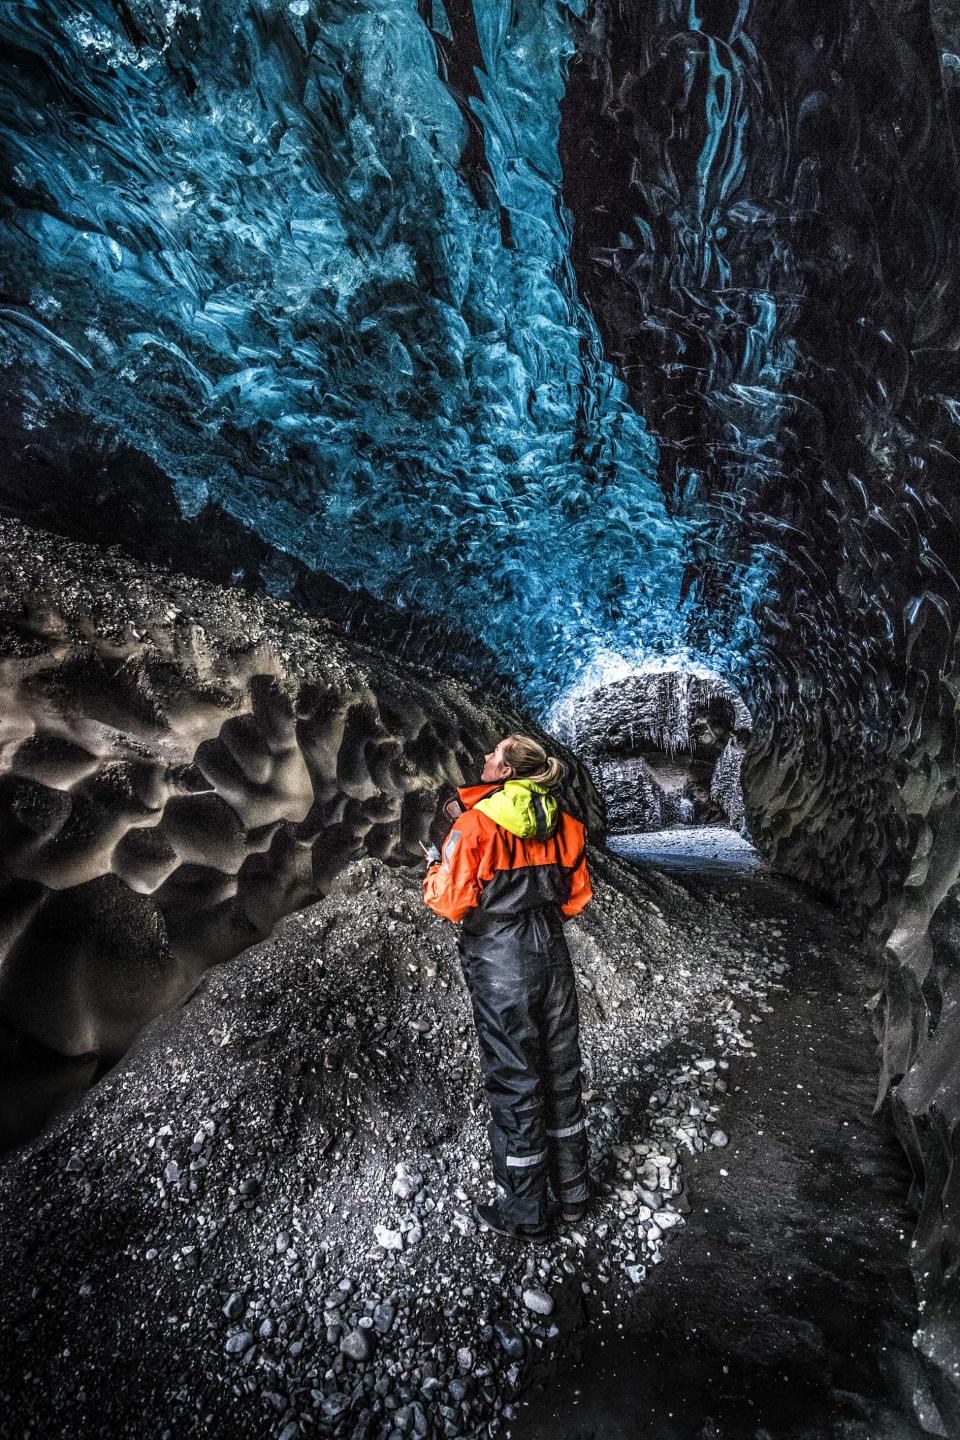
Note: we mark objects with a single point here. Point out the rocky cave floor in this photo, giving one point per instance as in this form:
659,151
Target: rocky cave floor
259,1223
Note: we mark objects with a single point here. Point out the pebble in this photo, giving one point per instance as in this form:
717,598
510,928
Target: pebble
407,1183
539,1301
356,1345
719,1138
511,1344
234,1307
333,1406
386,1238
239,1344
464,1223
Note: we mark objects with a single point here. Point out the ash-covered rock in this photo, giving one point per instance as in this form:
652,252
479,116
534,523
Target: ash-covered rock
180,766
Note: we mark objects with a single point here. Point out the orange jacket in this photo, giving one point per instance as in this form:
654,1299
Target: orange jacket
487,867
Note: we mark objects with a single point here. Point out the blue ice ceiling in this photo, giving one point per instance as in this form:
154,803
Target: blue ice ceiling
312,259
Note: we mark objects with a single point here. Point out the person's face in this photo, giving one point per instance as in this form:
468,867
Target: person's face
495,767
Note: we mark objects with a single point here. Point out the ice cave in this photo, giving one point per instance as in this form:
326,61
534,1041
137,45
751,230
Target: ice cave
381,379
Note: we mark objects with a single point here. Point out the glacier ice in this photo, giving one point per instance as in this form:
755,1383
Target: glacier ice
245,239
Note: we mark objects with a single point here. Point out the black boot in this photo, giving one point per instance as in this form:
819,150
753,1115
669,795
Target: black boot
574,1210
490,1217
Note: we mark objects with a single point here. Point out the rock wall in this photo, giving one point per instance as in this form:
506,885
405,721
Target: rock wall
665,747
180,766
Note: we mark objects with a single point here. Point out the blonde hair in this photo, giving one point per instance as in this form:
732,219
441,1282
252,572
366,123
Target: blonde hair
530,761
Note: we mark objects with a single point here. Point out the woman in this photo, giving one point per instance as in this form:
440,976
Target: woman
512,870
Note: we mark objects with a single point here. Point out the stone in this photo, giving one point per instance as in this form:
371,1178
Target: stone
512,1345
356,1345
239,1344
406,1184
334,1405
539,1301
719,1138
413,1234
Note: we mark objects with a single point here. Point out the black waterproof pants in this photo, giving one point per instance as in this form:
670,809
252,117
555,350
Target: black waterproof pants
521,983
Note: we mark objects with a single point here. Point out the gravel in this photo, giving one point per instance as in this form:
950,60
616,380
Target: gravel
321,1269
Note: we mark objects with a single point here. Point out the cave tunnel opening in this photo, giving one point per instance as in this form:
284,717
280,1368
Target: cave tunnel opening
665,744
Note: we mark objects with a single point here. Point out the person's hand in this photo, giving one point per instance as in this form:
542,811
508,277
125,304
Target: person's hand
431,852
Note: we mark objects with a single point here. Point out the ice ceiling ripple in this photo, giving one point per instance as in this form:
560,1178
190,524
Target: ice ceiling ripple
315,265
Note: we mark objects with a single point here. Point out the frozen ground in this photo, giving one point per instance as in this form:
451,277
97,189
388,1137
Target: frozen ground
689,846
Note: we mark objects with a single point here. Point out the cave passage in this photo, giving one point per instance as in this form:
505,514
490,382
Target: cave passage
294,1153
381,377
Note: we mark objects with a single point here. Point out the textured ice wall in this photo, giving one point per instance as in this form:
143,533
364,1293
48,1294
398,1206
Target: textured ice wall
311,259
765,205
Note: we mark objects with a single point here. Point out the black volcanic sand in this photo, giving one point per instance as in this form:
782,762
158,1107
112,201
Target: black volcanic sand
787,1308
258,1224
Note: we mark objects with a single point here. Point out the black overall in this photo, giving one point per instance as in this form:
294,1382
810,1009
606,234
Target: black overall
521,982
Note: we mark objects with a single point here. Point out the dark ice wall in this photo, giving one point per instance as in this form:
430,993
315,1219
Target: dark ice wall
765,220
764,216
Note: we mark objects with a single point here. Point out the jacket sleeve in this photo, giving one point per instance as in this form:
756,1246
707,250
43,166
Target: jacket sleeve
452,887
581,891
